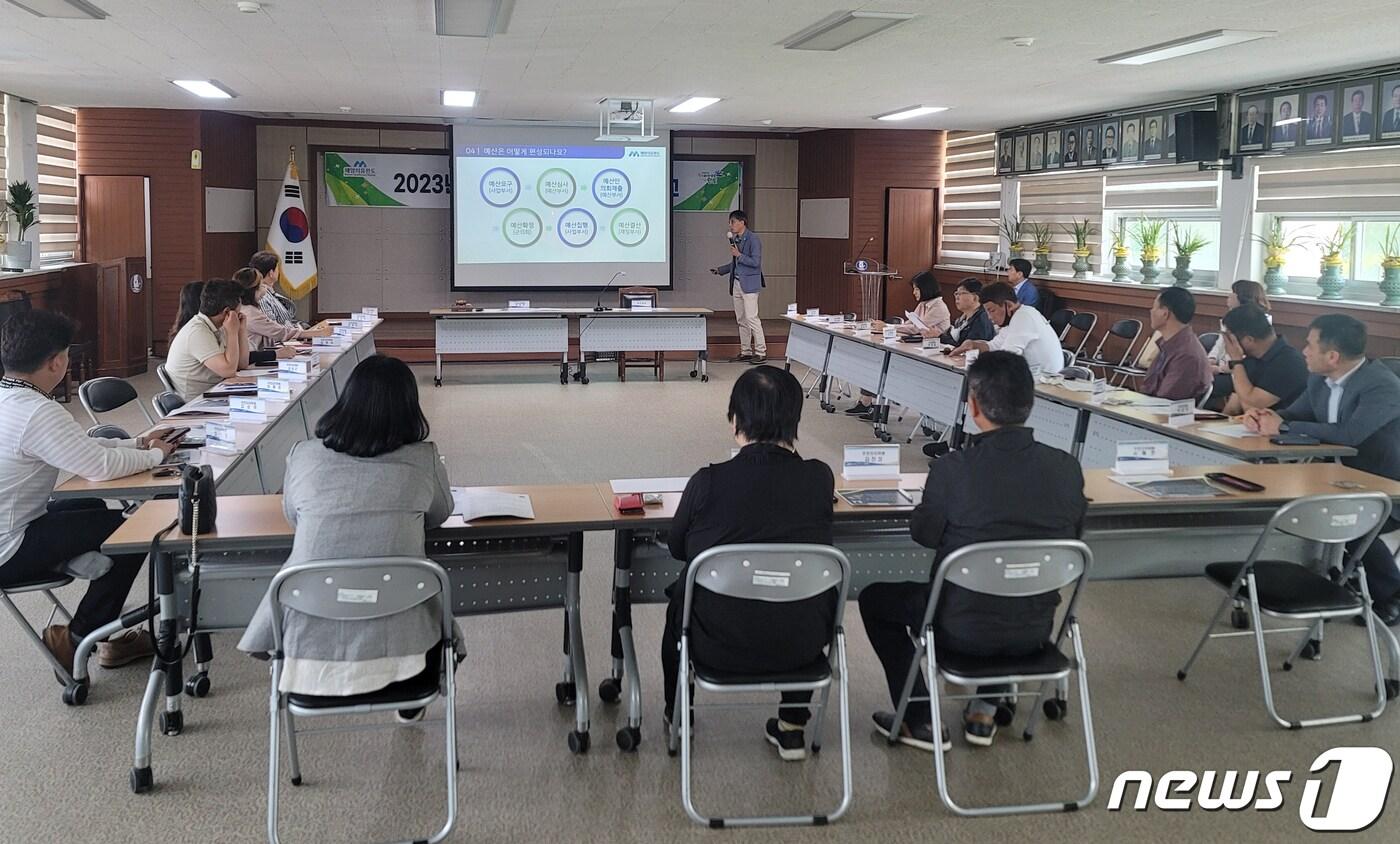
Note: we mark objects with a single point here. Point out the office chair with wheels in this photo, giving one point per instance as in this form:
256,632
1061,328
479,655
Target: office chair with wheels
1019,569
770,573
106,394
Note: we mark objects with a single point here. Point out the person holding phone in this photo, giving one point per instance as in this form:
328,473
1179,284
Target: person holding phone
1350,401
745,271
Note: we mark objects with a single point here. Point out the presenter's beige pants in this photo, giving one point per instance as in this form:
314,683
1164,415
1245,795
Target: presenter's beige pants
750,328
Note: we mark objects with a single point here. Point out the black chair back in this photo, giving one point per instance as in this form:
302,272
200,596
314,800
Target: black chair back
1209,339
1060,321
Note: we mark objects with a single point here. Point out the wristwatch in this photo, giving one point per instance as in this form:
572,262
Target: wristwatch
1236,362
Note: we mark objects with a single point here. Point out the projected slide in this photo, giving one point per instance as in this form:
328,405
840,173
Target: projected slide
560,204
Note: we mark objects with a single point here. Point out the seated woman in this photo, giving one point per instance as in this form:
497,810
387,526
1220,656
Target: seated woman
263,332
189,306
972,323
766,493
368,487
931,310
274,305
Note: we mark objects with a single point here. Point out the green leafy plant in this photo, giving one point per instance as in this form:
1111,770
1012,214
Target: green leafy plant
1081,230
1276,242
4,224
1390,246
21,204
1189,244
1120,238
1041,233
1334,244
1147,234
1010,228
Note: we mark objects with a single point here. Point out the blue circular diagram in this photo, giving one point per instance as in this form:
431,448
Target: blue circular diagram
577,228
611,188
499,187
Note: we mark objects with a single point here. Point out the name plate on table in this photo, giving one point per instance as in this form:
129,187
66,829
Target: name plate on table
1181,413
870,462
1142,458
792,309
814,312
863,326
518,305
641,305
274,388
357,326
1098,390
342,331
220,436
370,313
335,341
297,369
891,333
246,409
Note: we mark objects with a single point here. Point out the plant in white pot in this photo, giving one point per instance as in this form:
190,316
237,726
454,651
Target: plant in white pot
20,202
1390,265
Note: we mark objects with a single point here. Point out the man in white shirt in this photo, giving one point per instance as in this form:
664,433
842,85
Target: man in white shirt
213,345
39,538
1020,329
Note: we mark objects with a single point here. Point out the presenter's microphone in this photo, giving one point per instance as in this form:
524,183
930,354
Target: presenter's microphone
598,305
863,248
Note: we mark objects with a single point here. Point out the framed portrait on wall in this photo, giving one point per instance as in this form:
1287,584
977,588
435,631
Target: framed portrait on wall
1320,121
1111,143
1358,107
1153,137
1170,150
1390,108
1132,144
1088,144
1037,161
1004,153
1053,157
1019,164
1071,148
1252,131
1287,122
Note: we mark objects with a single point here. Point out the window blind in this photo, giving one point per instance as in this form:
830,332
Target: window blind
1365,182
3,184
971,200
58,183
1060,200
1172,187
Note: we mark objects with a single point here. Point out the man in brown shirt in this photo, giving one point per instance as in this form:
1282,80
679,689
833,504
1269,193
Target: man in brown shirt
1181,370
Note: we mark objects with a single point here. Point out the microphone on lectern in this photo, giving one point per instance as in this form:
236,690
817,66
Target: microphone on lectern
598,305
863,248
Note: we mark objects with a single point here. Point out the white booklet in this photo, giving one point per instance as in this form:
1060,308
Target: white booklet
472,504
202,407
918,323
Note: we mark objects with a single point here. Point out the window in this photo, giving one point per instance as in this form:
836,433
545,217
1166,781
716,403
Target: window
1205,264
971,200
3,183
58,184
1361,267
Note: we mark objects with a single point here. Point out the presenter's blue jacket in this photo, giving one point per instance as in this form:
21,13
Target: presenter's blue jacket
747,269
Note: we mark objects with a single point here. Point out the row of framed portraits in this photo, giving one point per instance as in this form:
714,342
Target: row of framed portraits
1145,138
1320,117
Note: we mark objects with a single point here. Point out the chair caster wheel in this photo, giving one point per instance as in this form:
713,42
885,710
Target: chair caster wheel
1312,650
578,742
565,693
141,780
296,780
704,379
1392,689
694,373
75,694
172,723
583,380
1006,712
437,382
1055,709
198,685
671,751
1239,618
628,738
1027,735
610,690
1181,675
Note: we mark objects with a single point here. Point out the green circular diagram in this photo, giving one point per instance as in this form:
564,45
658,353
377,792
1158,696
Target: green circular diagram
629,227
522,227
556,187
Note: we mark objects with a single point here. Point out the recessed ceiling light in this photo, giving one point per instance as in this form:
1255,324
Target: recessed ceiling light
345,108
207,88
913,111
1186,46
69,9
472,18
459,99
843,29
767,121
693,104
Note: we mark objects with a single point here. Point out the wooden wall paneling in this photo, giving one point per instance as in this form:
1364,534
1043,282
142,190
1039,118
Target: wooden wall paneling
113,210
230,145
825,170
911,218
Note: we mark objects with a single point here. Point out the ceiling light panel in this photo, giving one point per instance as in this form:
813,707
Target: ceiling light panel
693,104
206,88
843,29
68,9
1190,45
472,18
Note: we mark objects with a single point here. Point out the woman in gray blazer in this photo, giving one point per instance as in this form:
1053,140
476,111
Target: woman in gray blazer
369,486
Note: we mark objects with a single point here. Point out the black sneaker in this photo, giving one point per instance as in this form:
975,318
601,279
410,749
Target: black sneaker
858,409
914,735
979,729
757,359
741,358
790,741
933,451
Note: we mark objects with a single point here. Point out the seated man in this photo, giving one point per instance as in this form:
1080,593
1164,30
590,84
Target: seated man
1264,370
1180,370
766,493
39,439
1349,401
1004,486
1020,329
213,345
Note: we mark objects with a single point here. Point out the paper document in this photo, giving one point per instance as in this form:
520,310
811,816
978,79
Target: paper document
1236,430
918,323
1195,487
649,485
472,504
203,407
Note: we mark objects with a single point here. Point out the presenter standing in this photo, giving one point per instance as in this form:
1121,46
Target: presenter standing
745,271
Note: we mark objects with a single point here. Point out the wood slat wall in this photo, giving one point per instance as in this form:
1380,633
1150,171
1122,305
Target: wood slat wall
230,161
825,170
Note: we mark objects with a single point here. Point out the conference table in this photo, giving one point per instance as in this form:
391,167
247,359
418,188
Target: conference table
934,385
526,331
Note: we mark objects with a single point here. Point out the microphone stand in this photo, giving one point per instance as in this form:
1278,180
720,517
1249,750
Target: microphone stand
598,305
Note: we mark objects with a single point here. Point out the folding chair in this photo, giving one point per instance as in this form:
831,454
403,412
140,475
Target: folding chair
164,375
106,394
74,693
1020,569
1084,323
358,590
1060,320
167,403
1288,590
108,432
1209,339
773,573
1127,330
1069,359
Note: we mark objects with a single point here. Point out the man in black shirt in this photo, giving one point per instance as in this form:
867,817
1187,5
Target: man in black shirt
1005,486
1264,370
766,493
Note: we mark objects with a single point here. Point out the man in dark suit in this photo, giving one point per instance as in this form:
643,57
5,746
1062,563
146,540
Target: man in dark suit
1091,148
1110,144
1004,486
1391,121
1349,401
1251,130
1285,128
1071,148
1358,121
1320,123
1151,139
1004,161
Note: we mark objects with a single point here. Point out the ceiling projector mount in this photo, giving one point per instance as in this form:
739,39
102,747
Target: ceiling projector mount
626,119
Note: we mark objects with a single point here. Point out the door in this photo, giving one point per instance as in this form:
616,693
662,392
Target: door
911,219
115,228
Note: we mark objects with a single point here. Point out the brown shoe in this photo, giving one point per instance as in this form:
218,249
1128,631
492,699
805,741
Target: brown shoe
60,644
125,647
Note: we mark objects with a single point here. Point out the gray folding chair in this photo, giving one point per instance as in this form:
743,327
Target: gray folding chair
167,403
775,574
1069,358
1019,569
1289,590
108,432
1084,323
74,693
164,375
106,394
349,591
1125,331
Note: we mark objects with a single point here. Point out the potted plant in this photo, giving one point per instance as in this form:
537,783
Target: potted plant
1333,246
1276,245
1081,230
1120,251
1012,229
20,203
1185,247
1147,234
1390,265
1042,234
